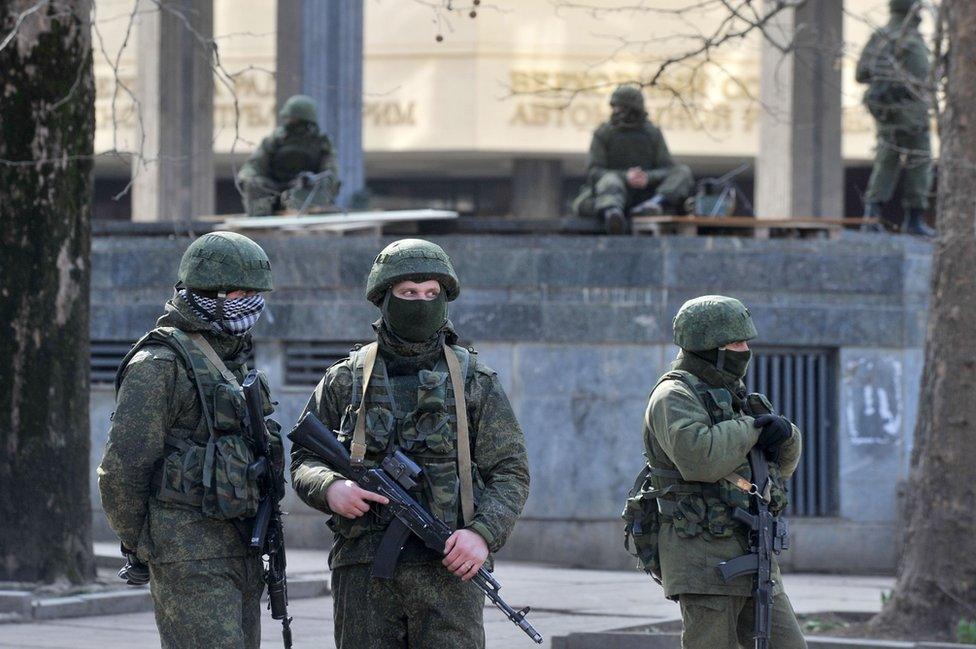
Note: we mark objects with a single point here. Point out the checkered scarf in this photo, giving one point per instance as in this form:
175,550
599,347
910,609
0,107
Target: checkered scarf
237,317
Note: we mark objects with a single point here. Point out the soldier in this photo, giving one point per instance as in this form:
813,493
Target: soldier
295,168
630,168
476,482
174,480
695,437
895,65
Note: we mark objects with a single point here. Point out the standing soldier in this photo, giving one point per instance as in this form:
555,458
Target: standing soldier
174,479
476,476
630,169
696,440
294,168
895,65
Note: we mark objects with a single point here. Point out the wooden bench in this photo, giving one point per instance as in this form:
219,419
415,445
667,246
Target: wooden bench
658,225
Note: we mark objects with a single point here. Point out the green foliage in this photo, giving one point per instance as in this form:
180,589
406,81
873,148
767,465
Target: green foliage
885,597
966,631
816,625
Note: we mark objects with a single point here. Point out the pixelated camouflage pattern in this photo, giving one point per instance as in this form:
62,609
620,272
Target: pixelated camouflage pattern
423,607
679,435
231,494
500,470
413,259
156,398
712,321
301,107
722,622
628,96
225,261
213,603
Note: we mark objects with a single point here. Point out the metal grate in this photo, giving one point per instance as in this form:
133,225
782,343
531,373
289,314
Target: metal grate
106,355
307,361
799,383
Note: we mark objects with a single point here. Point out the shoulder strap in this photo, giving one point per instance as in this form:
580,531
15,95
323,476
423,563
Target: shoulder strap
463,439
358,447
214,359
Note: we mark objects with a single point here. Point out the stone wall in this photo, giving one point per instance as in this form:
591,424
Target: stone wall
579,329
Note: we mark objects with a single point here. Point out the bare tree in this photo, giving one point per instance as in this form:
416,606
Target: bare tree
936,585
47,128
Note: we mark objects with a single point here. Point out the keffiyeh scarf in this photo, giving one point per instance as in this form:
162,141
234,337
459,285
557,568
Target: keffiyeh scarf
237,316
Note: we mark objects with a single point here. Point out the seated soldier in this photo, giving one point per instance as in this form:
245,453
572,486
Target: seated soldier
294,168
630,169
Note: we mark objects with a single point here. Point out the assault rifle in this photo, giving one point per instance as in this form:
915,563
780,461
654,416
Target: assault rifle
393,479
768,535
267,535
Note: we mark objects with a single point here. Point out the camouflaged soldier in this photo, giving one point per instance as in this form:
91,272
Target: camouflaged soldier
173,479
895,65
476,483
630,169
295,168
696,440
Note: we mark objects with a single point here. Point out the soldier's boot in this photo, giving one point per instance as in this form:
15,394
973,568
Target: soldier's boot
614,220
873,211
916,225
653,206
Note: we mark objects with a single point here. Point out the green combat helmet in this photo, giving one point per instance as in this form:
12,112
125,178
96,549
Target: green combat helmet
223,261
628,97
411,259
712,321
900,7
301,107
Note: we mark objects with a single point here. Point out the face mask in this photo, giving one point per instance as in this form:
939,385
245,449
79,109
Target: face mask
415,320
736,363
238,316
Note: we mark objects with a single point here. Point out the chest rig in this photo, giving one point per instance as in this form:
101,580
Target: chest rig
295,153
434,433
206,466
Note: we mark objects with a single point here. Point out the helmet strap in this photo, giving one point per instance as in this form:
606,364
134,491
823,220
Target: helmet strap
219,311
720,360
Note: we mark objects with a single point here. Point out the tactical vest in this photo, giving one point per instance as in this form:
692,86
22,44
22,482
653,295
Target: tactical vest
630,147
694,509
206,468
428,434
294,154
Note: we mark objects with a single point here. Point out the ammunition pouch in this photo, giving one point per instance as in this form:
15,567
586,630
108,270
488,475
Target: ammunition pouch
642,524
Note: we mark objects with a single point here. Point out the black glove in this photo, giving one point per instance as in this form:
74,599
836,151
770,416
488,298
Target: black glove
775,431
134,572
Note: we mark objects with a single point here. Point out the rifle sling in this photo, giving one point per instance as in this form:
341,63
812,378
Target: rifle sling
358,447
463,440
212,356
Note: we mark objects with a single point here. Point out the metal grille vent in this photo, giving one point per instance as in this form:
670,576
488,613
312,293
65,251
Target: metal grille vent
307,361
106,355
799,383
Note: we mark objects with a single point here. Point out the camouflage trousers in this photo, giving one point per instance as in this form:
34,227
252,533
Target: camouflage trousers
214,603
675,184
263,197
895,143
726,622
423,607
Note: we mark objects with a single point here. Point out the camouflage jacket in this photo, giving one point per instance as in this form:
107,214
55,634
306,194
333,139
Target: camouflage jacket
678,423
284,154
498,452
896,64
618,148
157,397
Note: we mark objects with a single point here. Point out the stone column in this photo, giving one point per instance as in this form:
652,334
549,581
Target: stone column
537,188
799,170
320,54
174,175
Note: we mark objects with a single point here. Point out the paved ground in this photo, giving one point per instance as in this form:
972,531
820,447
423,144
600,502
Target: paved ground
563,601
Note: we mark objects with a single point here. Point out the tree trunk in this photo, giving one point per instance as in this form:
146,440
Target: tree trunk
47,128
936,584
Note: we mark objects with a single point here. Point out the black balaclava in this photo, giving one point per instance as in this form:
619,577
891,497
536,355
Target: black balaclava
726,360
414,320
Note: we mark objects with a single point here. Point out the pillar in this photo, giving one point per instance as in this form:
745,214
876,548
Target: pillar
320,54
537,188
800,170
173,176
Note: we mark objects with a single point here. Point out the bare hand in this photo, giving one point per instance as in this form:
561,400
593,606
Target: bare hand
637,178
348,499
466,552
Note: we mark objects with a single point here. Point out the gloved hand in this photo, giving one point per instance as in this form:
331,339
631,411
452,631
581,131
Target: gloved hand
134,572
775,431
